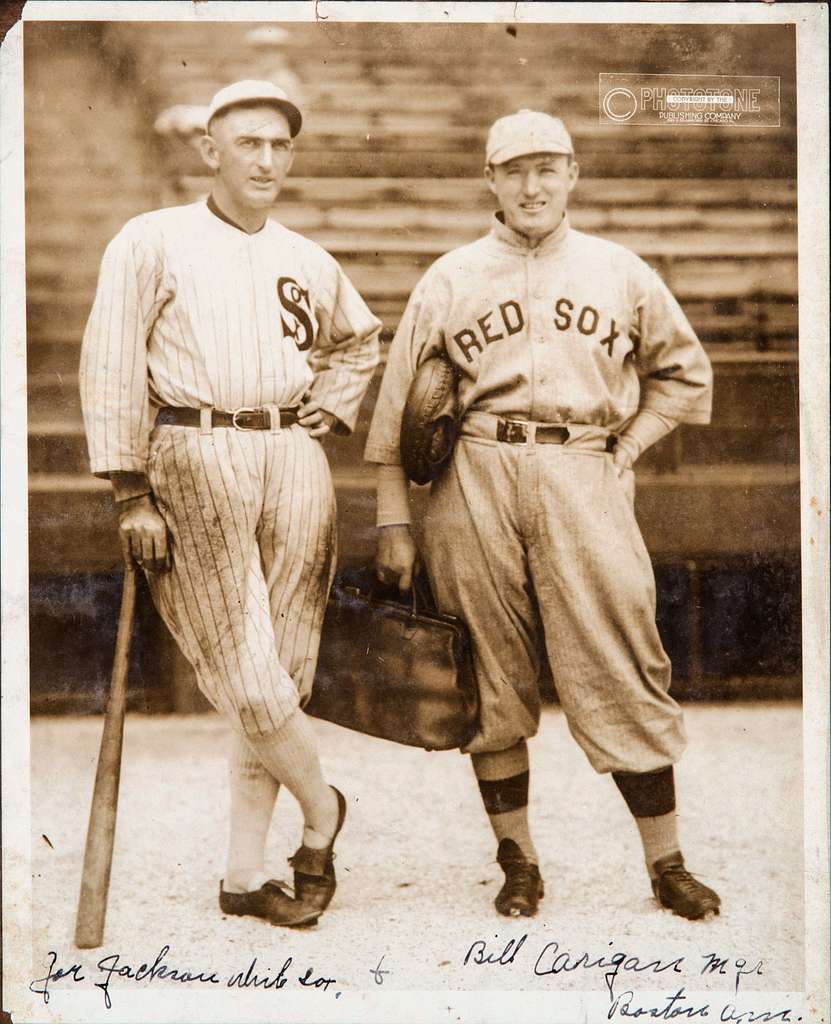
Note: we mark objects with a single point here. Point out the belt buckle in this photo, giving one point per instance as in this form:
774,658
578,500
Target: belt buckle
512,431
245,411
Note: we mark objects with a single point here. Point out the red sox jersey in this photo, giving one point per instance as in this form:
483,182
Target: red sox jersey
192,311
575,330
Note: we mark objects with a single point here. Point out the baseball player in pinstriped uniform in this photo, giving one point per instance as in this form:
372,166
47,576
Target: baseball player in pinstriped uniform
221,346
573,357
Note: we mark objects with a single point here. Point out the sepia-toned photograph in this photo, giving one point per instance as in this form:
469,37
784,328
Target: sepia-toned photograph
422,540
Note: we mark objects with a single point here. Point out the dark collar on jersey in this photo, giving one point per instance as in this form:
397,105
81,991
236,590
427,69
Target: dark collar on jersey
215,210
552,242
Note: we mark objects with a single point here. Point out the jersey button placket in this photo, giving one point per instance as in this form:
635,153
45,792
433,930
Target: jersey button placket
544,380
537,292
537,303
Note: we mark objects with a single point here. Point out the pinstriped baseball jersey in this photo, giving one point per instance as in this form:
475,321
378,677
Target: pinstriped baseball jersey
191,311
576,329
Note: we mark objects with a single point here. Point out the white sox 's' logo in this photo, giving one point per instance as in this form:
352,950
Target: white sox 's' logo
295,303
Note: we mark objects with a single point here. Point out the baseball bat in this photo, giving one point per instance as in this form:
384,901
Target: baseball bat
98,854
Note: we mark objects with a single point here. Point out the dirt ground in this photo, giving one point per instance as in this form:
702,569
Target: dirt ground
415,860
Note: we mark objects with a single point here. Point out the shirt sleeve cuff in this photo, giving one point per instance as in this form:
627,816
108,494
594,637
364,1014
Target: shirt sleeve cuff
337,426
646,429
129,485
393,500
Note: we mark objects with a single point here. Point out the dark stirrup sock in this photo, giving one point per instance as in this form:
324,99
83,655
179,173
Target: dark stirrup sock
647,794
501,796
650,796
506,796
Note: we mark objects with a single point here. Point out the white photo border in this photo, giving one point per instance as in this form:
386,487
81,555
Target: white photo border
812,90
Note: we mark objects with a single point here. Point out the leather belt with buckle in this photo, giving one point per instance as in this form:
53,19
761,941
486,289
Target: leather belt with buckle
241,419
518,432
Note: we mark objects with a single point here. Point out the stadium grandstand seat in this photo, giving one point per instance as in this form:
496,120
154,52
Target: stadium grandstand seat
387,177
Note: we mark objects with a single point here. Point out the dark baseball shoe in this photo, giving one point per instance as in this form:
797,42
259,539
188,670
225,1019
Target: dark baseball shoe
272,903
314,870
676,889
523,888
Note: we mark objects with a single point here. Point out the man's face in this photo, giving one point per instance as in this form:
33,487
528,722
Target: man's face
250,149
533,191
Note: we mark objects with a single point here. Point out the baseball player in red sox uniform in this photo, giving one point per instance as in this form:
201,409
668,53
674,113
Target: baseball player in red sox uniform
572,358
221,346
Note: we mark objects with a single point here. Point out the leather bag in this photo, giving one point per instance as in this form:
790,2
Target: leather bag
400,671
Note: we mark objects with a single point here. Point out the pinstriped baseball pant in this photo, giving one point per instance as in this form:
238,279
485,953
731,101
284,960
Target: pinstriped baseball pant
252,520
538,549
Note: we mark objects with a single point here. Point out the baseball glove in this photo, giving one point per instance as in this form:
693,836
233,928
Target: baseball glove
430,423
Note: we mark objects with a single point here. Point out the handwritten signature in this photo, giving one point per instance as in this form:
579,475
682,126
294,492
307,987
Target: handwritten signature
677,1005
553,960
73,973
112,966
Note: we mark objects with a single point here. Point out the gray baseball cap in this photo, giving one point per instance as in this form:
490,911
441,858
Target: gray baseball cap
251,91
526,131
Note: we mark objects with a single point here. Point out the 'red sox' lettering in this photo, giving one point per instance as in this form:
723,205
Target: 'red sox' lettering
512,320
586,322
488,328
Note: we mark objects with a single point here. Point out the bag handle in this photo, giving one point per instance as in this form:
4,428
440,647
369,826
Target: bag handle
377,593
420,595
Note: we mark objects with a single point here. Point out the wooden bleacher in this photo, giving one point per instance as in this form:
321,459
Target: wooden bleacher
387,177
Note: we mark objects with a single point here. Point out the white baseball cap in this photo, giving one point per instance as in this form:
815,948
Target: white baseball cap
526,131
250,91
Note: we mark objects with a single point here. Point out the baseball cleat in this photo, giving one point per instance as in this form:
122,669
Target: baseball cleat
314,870
677,890
271,902
523,888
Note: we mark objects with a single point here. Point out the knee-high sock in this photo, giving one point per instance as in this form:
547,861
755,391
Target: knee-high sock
503,782
650,796
290,754
253,794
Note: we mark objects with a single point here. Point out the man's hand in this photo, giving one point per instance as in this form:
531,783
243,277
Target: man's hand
317,421
645,429
622,460
143,534
396,556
